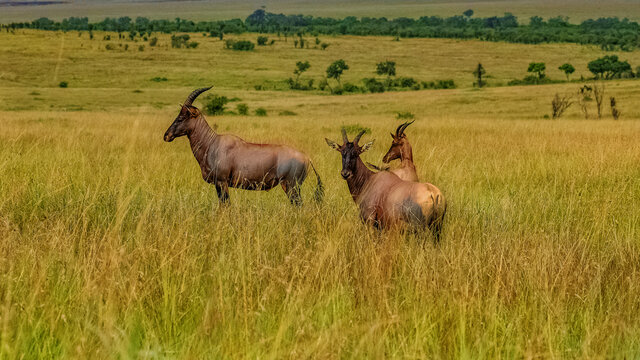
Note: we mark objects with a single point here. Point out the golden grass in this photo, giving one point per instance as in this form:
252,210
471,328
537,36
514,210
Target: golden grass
112,245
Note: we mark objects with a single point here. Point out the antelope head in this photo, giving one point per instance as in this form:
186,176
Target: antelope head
399,141
184,123
350,152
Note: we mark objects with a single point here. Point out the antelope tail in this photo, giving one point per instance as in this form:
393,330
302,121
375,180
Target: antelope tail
318,195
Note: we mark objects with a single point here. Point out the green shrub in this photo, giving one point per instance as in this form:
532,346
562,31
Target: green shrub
63,84
439,84
110,47
262,40
293,85
355,129
287,113
445,84
243,45
261,112
215,105
159,79
373,85
405,82
405,115
141,48
242,109
179,41
531,80
351,88
428,84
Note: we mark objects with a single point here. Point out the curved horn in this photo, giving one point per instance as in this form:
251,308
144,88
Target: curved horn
404,126
357,138
195,94
398,129
345,139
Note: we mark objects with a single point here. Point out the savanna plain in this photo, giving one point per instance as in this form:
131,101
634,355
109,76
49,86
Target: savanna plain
112,246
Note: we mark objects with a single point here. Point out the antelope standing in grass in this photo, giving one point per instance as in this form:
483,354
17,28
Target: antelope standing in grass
385,200
228,161
401,149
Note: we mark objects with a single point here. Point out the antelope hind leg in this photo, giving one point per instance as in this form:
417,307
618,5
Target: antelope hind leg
293,192
223,193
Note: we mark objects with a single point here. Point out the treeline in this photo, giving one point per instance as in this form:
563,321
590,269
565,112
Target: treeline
140,24
608,33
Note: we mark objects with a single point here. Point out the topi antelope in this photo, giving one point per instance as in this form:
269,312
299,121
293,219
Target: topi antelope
401,149
384,199
228,161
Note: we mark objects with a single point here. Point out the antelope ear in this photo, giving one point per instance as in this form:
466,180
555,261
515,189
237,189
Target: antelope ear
332,144
193,111
366,146
392,136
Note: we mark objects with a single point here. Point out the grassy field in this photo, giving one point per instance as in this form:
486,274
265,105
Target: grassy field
577,10
113,247
41,59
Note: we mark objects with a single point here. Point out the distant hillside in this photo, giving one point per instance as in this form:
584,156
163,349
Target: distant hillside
576,10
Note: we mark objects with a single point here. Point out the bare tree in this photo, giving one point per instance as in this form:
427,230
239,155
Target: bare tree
614,109
559,104
584,97
478,72
598,94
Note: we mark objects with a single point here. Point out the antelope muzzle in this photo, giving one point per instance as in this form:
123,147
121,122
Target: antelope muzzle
168,136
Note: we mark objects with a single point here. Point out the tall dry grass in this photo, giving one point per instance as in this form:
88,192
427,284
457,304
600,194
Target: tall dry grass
113,246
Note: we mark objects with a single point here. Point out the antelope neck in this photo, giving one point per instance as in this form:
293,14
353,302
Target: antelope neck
406,154
359,178
201,137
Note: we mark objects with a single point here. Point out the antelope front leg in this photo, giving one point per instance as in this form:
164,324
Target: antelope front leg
223,193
